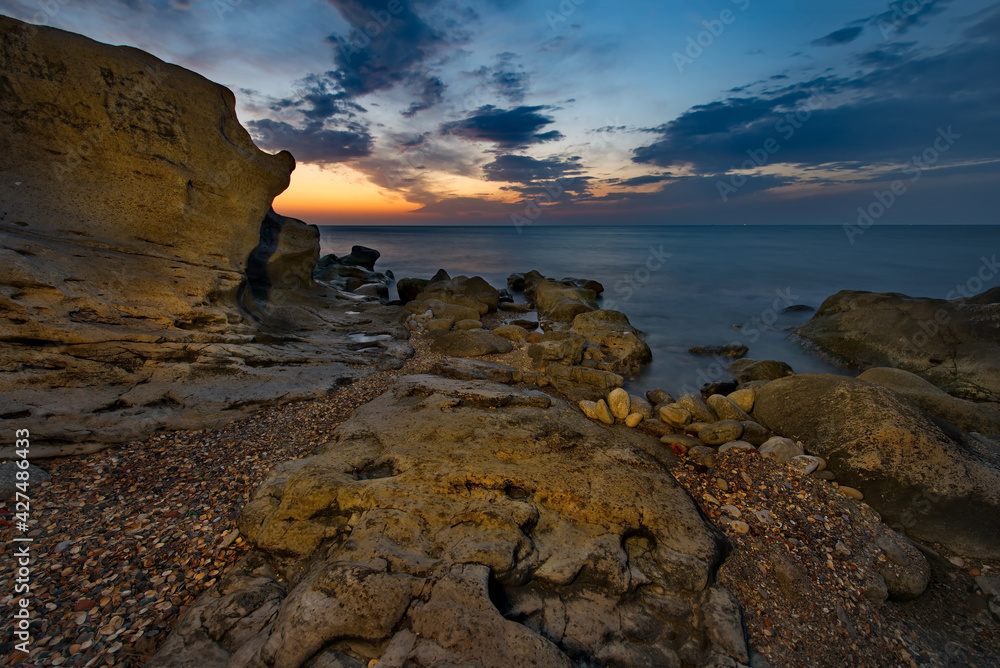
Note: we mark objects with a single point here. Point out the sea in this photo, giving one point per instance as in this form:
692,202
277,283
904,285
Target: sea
686,286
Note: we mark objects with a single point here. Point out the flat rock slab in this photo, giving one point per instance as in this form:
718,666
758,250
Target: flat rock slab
459,522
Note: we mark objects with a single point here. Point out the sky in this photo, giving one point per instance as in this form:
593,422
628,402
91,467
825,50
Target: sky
546,112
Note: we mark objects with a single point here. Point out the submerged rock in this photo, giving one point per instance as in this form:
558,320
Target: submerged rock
467,523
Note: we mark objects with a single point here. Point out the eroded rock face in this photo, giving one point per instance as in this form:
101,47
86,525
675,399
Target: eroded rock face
935,485
131,200
470,523
952,344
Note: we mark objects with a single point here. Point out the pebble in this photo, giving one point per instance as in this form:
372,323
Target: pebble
633,420
736,445
675,415
721,432
620,403
804,464
740,527
603,412
851,492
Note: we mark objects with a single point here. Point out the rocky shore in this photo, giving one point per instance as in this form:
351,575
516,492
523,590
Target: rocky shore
284,468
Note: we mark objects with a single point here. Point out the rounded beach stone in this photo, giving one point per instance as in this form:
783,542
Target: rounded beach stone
675,415
657,397
468,323
743,398
619,403
735,445
755,433
603,412
589,409
781,449
726,409
641,406
804,464
633,420
721,432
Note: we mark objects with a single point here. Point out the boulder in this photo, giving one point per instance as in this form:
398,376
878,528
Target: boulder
361,256
454,312
469,343
964,414
516,282
952,344
512,332
585,284
409,288
284,258
472,292
621,349
555,300
700,411
747,370
929,480
726,409
564,347
468,523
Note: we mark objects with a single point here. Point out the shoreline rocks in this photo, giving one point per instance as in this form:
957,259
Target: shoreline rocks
491,538
952,344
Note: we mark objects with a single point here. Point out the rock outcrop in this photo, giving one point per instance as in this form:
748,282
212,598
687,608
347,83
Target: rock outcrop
139,289
558,301
952,344
964,414
934,483
470,523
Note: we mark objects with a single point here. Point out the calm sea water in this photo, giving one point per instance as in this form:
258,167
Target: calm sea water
688,286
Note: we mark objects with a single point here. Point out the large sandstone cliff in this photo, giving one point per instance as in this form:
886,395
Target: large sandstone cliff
131,200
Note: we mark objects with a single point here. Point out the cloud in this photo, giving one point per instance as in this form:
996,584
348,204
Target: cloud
312,143
837,37
901,16
525,169
388,44
507,128
878,118
504,79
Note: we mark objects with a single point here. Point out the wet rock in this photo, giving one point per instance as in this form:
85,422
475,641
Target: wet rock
731,350
718,387
657,397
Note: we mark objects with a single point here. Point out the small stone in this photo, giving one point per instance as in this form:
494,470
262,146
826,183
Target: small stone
603,412
764,516
469,324
988,584
732,511
842,549
740,527
641,406
804,464
851,492
735,445
675,415
781,449
957,561
589,409
633,420
619,403
83,604
722,484
744,398
657,397
721,432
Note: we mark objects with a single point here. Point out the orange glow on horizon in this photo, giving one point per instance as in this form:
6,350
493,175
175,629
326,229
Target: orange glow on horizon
337,189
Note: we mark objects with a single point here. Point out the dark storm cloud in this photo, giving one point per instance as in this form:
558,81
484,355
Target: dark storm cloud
508,128
525,169
842,36
880,118
431,94
638,181
312,143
